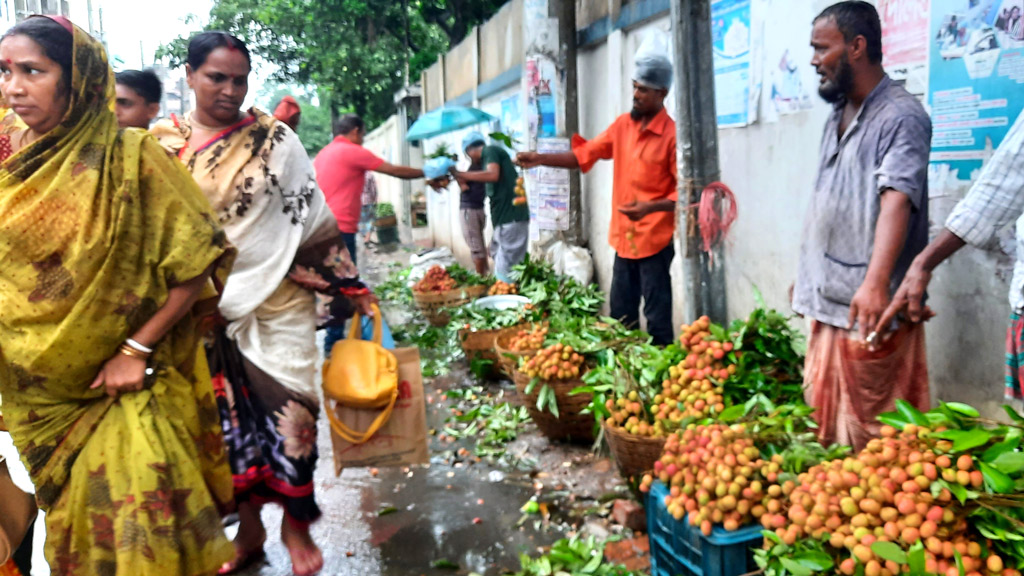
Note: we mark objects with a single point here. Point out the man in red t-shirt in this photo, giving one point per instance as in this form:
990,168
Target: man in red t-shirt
341,169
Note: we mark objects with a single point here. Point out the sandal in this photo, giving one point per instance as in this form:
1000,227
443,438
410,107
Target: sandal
243,560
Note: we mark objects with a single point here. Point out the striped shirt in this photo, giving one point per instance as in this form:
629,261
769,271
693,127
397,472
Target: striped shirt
885,147
995,199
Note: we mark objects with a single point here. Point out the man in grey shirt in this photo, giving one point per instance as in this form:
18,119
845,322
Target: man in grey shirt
867,220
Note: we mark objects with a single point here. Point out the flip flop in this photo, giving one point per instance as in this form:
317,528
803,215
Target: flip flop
243,561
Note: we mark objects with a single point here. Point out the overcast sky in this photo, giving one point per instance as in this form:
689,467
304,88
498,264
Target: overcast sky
126,23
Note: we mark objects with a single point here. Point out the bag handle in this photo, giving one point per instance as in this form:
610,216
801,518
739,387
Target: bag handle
355,330
355,437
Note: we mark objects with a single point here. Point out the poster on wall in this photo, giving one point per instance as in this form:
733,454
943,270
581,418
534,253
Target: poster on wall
548,189
790,80
736,80
905,42
976,80
541,84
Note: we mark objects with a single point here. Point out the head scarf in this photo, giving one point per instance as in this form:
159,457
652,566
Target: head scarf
288,111
472,139
96,226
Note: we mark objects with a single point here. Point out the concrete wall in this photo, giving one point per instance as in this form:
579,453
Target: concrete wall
590,11
501,41
432,81
460,67
386,141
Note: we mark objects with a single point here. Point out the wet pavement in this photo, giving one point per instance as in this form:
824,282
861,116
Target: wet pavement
454,516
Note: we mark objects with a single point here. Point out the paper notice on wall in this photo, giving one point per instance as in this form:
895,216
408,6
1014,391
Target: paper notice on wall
790,80
548,189
735,38
905,42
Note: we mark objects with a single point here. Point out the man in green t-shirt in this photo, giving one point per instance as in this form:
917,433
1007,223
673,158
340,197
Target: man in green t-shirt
511,222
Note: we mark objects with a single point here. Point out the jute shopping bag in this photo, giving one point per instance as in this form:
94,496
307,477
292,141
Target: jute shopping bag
403,439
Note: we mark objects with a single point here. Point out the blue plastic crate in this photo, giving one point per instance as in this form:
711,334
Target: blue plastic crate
678,549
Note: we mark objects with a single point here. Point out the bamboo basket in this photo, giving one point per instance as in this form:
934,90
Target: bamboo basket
570,425
633,454
479,345
509,359
433,304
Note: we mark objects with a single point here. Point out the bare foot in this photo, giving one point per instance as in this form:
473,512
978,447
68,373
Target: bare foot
248,542
306,556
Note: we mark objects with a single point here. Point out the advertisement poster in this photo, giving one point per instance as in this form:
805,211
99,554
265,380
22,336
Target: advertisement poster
540,84
976,80
731,40
548,189
905,42
791,82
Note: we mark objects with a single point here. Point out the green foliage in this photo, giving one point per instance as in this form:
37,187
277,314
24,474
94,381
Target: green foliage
488,420
802,558
572,556
769,359
557,294
443,151
352,50
385,209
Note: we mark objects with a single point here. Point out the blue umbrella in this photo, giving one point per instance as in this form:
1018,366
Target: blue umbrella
444,120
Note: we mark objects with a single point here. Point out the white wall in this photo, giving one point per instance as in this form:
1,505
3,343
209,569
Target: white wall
385,141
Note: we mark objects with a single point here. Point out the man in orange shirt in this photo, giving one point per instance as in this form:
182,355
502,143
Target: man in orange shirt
642,147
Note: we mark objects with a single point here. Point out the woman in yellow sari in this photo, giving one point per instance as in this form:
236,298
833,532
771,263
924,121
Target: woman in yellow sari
107,248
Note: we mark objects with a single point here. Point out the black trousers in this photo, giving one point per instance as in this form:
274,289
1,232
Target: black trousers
648,278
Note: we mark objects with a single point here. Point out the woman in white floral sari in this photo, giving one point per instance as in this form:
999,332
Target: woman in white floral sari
261,184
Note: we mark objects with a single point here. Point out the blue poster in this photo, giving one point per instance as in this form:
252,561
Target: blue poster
511,119
976,81
730,39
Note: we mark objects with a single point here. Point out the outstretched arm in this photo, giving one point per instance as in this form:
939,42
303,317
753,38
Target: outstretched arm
555,160
403,172
491,174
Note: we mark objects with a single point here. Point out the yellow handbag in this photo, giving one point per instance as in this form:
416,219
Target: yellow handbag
361,374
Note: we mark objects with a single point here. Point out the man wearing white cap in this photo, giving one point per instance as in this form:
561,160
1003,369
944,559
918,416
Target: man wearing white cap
511,221
642,147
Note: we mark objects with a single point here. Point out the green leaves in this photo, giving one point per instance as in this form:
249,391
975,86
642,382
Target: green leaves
995,480
911,414
575,556
546,399
803,558
1007,462
768,358
889,551
964,440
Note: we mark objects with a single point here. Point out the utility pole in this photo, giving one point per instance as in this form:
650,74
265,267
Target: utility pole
565,12
696,154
